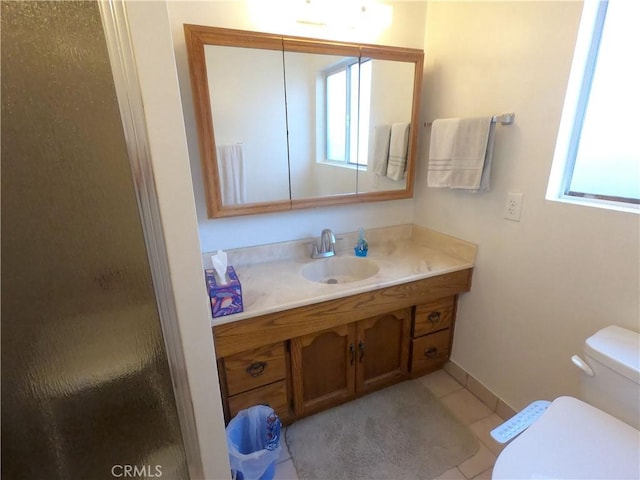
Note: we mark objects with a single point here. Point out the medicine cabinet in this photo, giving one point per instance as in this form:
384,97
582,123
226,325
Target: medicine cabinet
291,122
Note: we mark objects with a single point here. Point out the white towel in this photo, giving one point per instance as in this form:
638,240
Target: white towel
231,170
485,181
381,149
470,152
460,153
443,138
398,147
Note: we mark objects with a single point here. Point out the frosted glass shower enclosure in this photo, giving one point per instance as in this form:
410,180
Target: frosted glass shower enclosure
86,385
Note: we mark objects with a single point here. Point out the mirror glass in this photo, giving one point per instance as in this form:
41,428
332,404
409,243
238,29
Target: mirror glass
246,89
385,110
321,103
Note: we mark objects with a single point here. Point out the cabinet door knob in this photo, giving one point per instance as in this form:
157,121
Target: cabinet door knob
434,317
256,368
431,352
361,347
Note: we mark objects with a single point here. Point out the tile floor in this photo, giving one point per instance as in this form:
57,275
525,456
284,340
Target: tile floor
467,408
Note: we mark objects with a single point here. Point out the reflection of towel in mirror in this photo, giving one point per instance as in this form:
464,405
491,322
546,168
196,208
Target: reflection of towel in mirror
460,153
381,149
398,147
231,170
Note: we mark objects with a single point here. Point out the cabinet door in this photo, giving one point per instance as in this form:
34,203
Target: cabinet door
382,350
323,367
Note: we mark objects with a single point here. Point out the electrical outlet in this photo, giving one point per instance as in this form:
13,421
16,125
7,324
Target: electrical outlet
513,207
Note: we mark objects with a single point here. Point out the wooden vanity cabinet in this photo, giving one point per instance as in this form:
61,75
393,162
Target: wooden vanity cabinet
324,354
334,365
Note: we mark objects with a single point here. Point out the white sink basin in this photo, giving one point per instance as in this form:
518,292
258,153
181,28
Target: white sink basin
339,270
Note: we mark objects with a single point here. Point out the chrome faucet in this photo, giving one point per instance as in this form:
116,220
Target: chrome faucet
327,245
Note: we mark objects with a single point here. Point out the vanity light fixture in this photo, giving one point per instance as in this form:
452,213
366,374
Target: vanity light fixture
370,16
341,14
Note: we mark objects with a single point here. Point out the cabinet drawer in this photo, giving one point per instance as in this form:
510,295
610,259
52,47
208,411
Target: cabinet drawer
254,368
274,395
430,352
433,316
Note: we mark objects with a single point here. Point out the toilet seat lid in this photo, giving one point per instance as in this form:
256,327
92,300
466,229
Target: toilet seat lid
572,439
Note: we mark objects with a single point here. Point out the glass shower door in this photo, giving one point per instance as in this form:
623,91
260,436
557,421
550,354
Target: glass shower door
86,386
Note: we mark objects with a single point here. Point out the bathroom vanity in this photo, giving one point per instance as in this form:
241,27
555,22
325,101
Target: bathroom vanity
328,344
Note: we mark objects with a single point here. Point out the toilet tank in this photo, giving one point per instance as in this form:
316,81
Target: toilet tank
613,354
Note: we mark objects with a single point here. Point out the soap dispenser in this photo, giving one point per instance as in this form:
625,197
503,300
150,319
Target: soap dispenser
362,247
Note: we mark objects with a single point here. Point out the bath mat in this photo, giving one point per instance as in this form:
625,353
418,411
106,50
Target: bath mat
401,432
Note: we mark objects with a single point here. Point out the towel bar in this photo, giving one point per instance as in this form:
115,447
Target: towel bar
504,119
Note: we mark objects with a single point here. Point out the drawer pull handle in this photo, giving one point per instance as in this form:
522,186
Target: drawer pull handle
256,368
361,347
352,349
431,352
434,317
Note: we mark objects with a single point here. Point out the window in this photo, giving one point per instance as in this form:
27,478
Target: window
348,98
597,158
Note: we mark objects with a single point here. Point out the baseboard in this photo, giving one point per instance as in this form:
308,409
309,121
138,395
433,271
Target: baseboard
486,396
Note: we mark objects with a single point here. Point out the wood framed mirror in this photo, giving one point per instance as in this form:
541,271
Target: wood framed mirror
291,122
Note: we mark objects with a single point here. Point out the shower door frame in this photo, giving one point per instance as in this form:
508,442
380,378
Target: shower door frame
123,65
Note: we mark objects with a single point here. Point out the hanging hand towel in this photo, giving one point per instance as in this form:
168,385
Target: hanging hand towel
231,170
470,152
460,153
381,149
485,181
443,138
398,147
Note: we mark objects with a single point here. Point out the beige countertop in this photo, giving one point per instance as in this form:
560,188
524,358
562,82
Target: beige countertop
403,254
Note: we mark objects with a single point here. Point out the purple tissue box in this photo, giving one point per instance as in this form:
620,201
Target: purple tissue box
225,299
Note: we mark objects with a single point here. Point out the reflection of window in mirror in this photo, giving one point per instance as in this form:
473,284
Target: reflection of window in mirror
348,99
312,175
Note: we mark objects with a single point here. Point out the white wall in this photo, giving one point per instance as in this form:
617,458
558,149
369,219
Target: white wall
407,30
543,285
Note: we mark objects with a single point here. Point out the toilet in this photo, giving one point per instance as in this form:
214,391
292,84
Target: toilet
598,438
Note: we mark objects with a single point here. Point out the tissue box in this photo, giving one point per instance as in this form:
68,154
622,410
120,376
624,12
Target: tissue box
225,299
